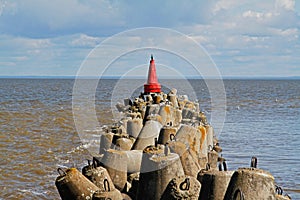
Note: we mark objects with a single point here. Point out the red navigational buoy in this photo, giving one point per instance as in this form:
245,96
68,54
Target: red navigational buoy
152,85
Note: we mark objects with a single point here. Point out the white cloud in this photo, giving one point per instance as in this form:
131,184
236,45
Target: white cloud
226,5
53,32
285,4
85,41
258,15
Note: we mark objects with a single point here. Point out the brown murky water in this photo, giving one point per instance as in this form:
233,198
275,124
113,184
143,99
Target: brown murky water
38,135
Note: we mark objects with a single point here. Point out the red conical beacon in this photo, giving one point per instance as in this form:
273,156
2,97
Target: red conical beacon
152,84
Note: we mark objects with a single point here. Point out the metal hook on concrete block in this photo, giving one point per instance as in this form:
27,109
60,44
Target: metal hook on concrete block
172,137
238,194
106,185
61,172
253,162
185,185
224,166
278,190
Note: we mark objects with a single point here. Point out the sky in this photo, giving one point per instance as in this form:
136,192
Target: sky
242,37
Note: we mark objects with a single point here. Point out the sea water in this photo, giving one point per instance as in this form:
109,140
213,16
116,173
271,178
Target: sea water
38,133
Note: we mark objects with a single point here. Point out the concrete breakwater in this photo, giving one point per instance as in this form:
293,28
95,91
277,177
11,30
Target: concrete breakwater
163,148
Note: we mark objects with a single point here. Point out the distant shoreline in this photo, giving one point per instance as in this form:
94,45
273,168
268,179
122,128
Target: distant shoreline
165,78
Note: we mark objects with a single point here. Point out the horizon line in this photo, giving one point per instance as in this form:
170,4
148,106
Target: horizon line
143,77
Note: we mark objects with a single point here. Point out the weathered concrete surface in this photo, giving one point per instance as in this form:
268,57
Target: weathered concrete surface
100,177
133,180
73,185
134,160
209,135
156,172
173,99
281,197
177,117
252,184
148,133
203,141
112,194
115,162
105,142
188,157
167,114
151,109
124,143
126,197
214,184
189,136
212,159
184,187
134,126
166,134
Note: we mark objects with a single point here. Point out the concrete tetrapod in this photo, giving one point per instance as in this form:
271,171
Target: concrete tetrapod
134,160
151,109
115,162
209,135
113,195
251,184
105,142
212,159
134,126
173,99
188,157
195,138
157,170
124,144
71,184
146,137
189,135
167,114
214,184
184,187
167,133
100,177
